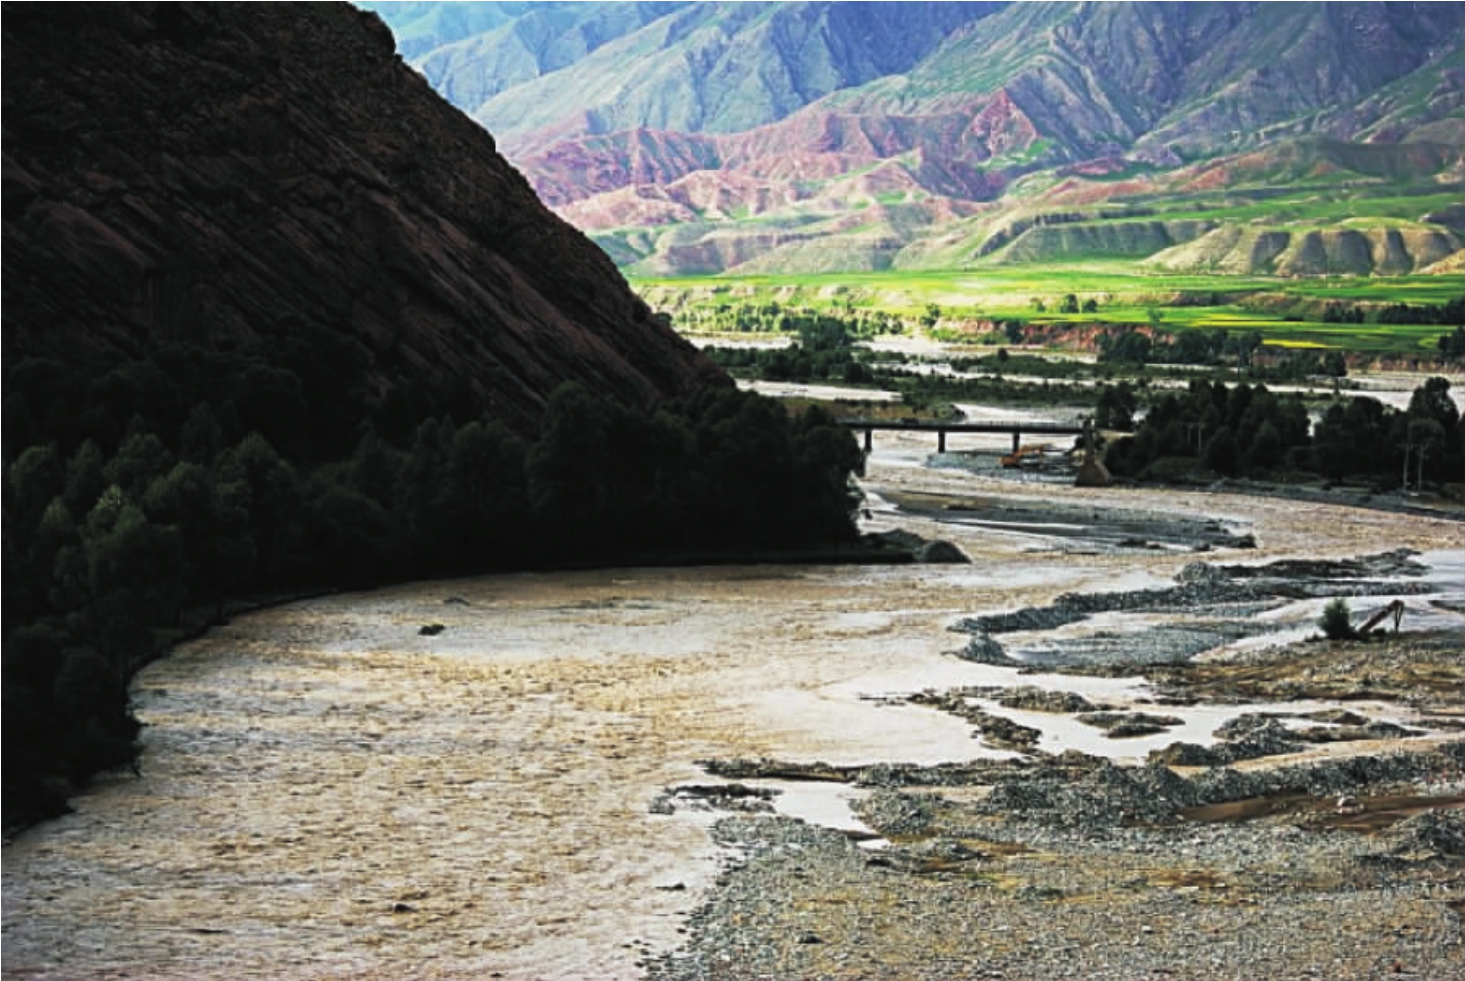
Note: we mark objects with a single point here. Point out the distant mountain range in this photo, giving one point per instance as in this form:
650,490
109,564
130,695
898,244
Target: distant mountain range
1292,138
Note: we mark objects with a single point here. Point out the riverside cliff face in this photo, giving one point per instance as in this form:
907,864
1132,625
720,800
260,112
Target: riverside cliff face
226,174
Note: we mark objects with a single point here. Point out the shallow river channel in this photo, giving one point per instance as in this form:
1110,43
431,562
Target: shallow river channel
326,793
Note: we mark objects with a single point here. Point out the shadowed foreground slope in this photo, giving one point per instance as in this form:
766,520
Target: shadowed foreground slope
231,175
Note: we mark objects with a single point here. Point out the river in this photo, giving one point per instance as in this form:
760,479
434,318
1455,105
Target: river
327,793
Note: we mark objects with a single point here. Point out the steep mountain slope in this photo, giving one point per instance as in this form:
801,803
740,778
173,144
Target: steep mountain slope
963,108
231,177
724,67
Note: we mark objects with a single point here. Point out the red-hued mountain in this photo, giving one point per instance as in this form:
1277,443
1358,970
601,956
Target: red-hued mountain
993,113
228,175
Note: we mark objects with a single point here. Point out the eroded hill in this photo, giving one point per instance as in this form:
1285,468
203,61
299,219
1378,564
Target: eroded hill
806,137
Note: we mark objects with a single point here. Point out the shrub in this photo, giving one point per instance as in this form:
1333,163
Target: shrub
1335,622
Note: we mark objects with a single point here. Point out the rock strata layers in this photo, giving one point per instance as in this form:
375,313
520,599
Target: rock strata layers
230,175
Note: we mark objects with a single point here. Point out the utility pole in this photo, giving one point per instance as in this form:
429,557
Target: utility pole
1405,486
1419,475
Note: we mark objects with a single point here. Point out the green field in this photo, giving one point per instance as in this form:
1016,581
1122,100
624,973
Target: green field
1287,312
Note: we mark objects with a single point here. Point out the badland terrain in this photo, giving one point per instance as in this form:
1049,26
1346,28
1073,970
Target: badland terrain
1295,139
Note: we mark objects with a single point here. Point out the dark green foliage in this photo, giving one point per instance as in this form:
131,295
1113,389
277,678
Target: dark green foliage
724,470
1336,620
1223,453
1247,430
773,318
1128,346
228,477
827,348
1452,345
1452,312
350,538
202,438
1354,437
1116,407
1265,450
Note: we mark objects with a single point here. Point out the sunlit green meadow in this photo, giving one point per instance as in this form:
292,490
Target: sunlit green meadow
1285,311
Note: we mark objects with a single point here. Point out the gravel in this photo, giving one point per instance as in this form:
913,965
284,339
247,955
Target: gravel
1097,873
1204,863
1220,603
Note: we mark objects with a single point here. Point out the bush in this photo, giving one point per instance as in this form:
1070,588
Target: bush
1335,622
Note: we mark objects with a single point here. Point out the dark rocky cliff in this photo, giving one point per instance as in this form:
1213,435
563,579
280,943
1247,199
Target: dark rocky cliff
232,175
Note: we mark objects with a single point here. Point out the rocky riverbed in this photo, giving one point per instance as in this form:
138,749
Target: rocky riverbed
1192,865
1295,841
1335,870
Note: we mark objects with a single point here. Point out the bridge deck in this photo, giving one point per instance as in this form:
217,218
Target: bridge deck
988,426
1014,426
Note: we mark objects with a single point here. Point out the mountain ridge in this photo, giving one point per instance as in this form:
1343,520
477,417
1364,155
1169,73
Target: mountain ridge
1013,104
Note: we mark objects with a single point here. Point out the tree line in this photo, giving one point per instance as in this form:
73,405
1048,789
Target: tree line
139,498
775,318
1248,430
1451,312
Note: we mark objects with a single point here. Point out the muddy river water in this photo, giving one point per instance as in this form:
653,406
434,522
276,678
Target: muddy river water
327,793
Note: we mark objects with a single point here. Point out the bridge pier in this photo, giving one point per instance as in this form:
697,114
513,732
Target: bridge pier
940,441
869,440
1016,440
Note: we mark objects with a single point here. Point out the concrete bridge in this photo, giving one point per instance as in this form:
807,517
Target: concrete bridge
941,428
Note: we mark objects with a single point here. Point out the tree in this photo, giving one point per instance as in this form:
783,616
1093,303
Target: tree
1432,422
1266,450
485,495
140,459
566,470
1452,345
375,469
1336,620
1130,347
273,496
85,479
1069,305
1116,407
202,438
351,536
1223,453
1432,401
135,573
931,317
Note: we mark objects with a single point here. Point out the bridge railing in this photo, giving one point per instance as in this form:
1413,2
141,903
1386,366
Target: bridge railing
941,427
